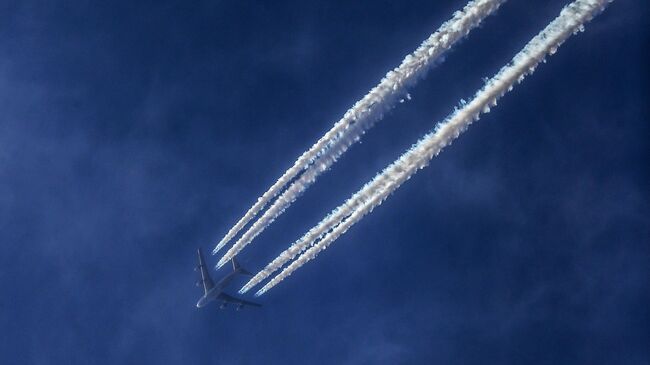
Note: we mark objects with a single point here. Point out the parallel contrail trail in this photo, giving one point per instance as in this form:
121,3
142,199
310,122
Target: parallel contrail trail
570,21
331,221
357,120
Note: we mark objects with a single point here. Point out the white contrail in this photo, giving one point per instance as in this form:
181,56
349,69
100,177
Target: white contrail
332,220
383,97
570,21
357,120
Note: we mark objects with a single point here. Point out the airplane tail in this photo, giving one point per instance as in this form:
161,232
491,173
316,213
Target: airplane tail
239,269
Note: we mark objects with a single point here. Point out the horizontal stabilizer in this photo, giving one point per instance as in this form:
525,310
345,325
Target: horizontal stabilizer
239,269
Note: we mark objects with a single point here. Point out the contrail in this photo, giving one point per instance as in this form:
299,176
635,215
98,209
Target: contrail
382,98
331,221
570,21
357,120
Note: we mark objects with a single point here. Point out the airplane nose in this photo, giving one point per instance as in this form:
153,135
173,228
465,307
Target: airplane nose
201,303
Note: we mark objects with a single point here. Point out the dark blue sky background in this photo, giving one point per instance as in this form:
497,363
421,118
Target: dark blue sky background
133,132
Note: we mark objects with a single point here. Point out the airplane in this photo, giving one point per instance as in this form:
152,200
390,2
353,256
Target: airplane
214,292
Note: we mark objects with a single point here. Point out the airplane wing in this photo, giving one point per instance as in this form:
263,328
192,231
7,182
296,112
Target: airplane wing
230,299
205,275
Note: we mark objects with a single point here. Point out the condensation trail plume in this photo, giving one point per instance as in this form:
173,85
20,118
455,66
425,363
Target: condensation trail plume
358,119
570,21
382,98
317,232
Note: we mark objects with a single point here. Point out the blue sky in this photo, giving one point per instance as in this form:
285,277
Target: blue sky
133,132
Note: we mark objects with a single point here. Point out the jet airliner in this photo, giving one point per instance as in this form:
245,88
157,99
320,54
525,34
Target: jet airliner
214,292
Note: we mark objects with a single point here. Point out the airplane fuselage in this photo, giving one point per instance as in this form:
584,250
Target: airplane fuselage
208,297
213,293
